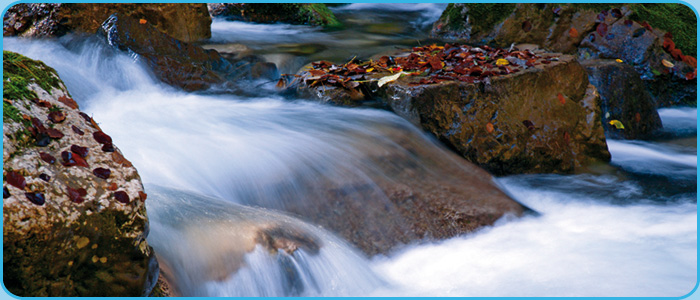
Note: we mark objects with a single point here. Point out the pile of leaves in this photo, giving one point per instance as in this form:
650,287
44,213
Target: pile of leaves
434,64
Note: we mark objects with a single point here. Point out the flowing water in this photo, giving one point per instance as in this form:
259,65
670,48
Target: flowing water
210,162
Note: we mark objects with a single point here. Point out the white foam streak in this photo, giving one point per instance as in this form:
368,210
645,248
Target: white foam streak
575,248
651,158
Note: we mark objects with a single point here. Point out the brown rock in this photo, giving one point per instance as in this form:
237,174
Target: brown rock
624,98
47,230
186,22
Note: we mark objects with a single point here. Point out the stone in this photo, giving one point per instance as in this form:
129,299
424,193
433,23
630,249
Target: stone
293,13
45,246
174,62
540,119
185,22
624,98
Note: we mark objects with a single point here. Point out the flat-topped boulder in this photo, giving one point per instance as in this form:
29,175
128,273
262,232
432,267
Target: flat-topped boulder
74,216
510,112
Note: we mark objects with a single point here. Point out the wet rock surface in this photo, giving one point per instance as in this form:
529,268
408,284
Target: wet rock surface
590,31
510,112
64,232
186,22
293,13
174,62
624,98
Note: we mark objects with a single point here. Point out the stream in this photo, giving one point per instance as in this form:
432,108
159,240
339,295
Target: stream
219,167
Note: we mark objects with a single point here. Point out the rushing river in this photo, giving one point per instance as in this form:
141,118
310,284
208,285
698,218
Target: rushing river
210,162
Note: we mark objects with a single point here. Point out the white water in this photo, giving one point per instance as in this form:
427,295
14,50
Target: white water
598,235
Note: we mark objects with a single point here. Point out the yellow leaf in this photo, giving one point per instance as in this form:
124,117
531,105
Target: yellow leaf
666,63
386,79
369,70
618,60
617,124
501,62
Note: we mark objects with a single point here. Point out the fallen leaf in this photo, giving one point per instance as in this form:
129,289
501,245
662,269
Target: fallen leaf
16,179
573,32
618,60
691,75
561,98
68,102
142,21
386,79
527,26
529,125
502,62
602,29
617,124
666,63
489,127
616,13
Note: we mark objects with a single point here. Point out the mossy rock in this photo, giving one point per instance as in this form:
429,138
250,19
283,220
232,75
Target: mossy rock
315,14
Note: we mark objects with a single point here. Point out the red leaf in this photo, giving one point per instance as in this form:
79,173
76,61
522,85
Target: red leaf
691,75
77,130
71,159
47,157
82,151
16,179
142,196
102,137
76,195
122,197
561,98
102,172
602,29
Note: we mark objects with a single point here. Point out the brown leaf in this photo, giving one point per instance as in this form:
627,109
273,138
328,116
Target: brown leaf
573,33
489,127
16,179
142,196
317,72
122,197
54,133
112,186
68,102
527,26
118,158
47,157
57,116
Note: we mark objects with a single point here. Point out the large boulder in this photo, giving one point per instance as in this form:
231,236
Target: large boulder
74,217
510,112
592,31
625,98
293,13
185,22
175,62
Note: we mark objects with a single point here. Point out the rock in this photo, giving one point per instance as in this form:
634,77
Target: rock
174,62
624,98
293,13
185,22
591,31
78,240
532,114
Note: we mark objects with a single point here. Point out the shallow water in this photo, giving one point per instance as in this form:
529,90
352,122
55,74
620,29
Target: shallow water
628,232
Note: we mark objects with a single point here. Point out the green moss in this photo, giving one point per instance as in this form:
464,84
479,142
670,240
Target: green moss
19,71
10,112
677,19
483,16
319,11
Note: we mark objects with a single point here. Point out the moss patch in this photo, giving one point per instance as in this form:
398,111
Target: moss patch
483,16
10,112
677,19
19,71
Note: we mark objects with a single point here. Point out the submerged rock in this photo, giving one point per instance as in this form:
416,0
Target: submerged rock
185,22
67,236
293,13
624,98
174,62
